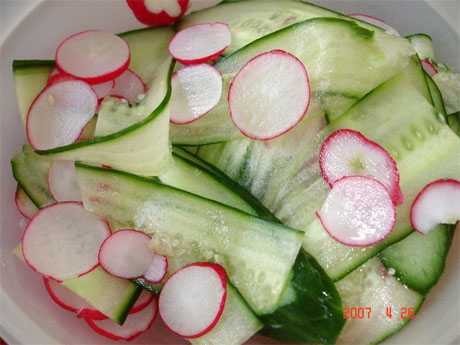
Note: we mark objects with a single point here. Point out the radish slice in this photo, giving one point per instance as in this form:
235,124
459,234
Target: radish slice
94,56
192,299
158,12
358,211
70,301
103,89
142,302
196,90
126,254
428,67
200,43
59,113
58,77
63,182
269,95
24,205
157,269
437,203
376,22
128,86
349,153
62,241
198,5
135,324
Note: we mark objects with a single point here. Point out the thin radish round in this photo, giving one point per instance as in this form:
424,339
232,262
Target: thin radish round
349,153
200,43
126,254
192,300
24,205
437,203
142,302
196,90
94,56
158,12
63,182
59,113
103,89
62,241
135,324
358,211
56,77
376,22
428,67
157,269
70,301
129,86
198,5
269,95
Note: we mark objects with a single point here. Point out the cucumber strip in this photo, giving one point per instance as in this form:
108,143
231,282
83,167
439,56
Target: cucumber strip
257,255
423,45
454,122
449,85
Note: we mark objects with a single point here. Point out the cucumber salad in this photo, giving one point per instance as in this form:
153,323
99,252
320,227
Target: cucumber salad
240,168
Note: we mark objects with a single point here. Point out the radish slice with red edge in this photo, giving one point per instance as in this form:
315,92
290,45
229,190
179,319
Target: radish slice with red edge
198,5
196,90
158,12
126,254
63,182
269,95
135,324
437,203
24,204
70,301
142,302
428,67
200,43
58,77
59,113
376,22
192,300
103,89
62,241
349,153
94,56
157,269
358,211
128,86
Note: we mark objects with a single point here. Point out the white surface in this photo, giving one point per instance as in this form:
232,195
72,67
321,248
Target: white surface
26,315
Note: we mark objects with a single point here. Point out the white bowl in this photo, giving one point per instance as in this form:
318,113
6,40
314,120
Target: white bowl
27,316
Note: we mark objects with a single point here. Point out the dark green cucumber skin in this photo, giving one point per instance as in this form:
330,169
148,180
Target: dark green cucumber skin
142,283
324,320
128,305
25,64
453,120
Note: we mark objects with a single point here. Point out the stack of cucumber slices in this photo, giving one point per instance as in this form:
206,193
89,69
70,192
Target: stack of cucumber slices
261,167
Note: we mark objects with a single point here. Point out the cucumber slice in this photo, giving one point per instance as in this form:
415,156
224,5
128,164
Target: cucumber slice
449,84
423,45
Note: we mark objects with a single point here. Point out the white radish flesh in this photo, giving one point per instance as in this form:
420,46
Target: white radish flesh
126,254
63,182
437,203
192,299
59,113
103,89
128,86
157,269
349,153
196,90
198,5
358,211
62,241
200,43
94,56
269,95
24,205
376,22
135,324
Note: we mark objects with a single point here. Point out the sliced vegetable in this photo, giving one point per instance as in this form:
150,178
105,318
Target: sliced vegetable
196,90
62,181
437,203
104,89
142,302
376,22
358,211
429,68
95,56
198,5
423,45
158,12
192,300
129,86
24,204
157,269
200,43
65,107
62,241
349,153
449,84
269,95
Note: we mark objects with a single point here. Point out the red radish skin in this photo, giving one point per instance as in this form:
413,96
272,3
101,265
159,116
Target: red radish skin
437,203
157,269
428,67
63,182
345,214
134,326
164,300
200,43
346,147
141,11
128,86
28,211
94,56
240,113
60,214
376,22
59,76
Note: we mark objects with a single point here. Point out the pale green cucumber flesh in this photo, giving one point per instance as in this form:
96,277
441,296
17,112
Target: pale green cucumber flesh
423,45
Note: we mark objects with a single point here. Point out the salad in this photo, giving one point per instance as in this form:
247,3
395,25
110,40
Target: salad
240,168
